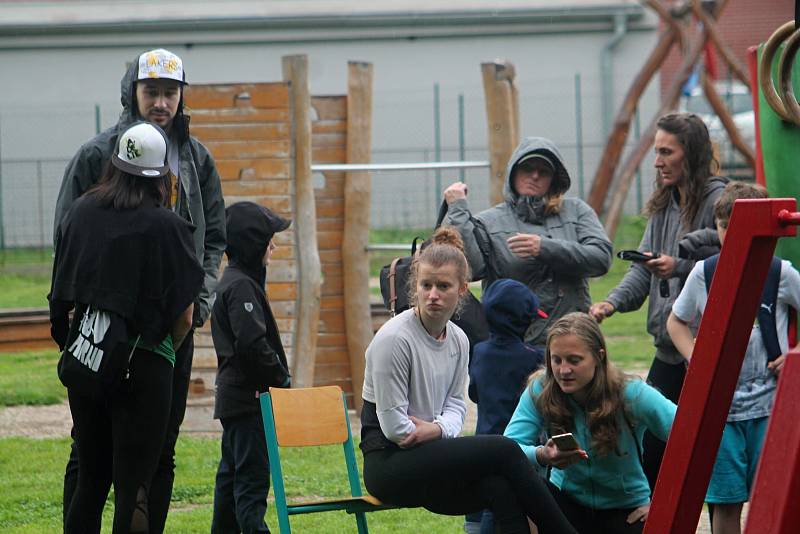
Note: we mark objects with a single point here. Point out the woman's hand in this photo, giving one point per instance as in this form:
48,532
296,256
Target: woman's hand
525,245
639,514
423,432
455,192
601,310
663,266
549,454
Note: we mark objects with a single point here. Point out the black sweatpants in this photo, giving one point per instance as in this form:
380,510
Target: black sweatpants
668,379
160,488
461,475
118,440
242,484
592,521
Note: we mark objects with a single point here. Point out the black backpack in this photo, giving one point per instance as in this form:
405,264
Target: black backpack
767,323
394,290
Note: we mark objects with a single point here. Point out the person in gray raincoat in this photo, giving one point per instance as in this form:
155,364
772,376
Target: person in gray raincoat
152,90
536,236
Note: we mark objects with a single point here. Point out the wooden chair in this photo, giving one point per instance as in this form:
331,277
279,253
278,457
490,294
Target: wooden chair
307,417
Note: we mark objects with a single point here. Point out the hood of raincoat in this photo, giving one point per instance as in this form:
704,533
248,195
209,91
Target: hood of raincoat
250,228
537,145
510,307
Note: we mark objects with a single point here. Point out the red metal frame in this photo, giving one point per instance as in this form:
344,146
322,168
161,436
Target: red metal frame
711,379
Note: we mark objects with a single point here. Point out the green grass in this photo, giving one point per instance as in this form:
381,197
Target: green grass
30,378
31,473
25,277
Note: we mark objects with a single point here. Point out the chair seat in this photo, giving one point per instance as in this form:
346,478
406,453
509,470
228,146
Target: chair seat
365,503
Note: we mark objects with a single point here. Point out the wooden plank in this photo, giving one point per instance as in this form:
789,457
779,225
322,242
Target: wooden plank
332,269
253,169
330,224
328,372
330,207
357,194
281,205
238,115
331,340
330,256
262,95
249,149
332,301
329,140
329,240
295,71
330,107
282,290
235,132
256,188
282,271
337,354
329,154
331,321
329,126
332,286
334,188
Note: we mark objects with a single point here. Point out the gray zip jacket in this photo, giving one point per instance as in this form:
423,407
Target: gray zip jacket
199,196
662,234
574,245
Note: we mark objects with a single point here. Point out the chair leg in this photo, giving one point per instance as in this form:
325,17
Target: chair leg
361,521
283,520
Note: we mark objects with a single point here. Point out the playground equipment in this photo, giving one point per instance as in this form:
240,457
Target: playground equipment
733,301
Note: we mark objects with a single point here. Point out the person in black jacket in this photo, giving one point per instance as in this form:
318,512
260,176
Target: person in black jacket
126,264
250,360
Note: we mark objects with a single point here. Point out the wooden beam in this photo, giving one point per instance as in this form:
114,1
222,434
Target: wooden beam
357,193
503,121
295,71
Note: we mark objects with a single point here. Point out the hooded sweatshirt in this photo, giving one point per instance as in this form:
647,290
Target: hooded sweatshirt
662,234
574,245
250,355
500,365
199,199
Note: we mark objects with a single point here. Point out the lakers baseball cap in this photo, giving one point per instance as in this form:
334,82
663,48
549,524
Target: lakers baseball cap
160,64
142,151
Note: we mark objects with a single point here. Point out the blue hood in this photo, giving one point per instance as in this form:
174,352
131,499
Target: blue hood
510,307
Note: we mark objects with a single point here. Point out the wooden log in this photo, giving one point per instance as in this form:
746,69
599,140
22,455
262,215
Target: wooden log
357,193
501,108
295,71
727,121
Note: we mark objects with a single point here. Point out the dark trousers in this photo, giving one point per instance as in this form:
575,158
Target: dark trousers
160,487
668,379
118,440
461,475
242,484
590,521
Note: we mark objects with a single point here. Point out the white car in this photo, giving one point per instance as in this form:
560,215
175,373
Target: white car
739,102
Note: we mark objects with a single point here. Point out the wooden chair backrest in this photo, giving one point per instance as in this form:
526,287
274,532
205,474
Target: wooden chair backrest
309,416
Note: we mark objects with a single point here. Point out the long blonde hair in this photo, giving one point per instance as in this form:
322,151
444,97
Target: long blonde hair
604,394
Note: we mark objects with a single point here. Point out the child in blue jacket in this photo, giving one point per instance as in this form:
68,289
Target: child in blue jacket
500,365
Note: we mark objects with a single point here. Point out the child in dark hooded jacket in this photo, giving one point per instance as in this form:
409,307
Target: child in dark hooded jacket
251,359
501,365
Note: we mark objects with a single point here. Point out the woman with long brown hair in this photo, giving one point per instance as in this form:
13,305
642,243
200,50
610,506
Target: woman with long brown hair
682,202
414,384
600,485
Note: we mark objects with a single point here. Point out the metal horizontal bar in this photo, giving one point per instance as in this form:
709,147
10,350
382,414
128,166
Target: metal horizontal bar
378,167
389,246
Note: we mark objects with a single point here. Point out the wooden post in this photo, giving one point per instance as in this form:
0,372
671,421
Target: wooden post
295,71
502,118
357,193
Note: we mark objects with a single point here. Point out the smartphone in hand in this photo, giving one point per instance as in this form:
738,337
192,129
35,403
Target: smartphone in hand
635,256
566,442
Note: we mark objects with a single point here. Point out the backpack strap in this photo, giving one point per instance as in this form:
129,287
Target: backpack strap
392,279
767,322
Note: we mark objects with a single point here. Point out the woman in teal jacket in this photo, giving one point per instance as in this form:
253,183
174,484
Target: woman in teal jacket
600,486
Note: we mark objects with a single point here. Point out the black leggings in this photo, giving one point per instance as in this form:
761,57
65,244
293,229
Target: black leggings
160,487
118,439
592,521
461,475
668,379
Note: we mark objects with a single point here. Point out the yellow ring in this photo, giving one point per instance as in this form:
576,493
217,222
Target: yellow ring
765,70
785,88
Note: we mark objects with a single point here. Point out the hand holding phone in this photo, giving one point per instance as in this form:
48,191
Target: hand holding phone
636,256
566,442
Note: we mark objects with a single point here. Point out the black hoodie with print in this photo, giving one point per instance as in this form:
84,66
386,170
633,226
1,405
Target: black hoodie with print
250,354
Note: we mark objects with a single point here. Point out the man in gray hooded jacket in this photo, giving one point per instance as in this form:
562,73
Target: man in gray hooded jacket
152,90
536,236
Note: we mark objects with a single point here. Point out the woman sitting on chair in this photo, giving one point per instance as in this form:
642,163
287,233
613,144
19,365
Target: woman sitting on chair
416,369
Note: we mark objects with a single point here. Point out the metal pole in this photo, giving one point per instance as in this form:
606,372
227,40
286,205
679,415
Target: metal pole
2,227
437,141
97,119
462,176
637,127
579,132
41,202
